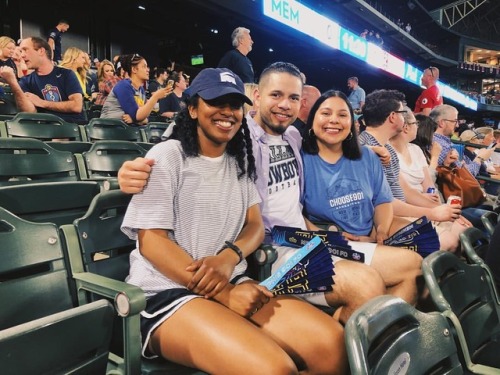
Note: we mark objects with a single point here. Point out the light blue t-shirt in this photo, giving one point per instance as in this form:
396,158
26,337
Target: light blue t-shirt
346,192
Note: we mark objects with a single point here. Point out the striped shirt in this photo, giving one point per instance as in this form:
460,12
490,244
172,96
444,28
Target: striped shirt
391,170
198,200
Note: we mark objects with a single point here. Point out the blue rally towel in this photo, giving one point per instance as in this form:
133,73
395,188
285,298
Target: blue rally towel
420,236
336,243
309,270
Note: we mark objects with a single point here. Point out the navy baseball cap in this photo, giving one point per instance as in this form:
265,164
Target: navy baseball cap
212,83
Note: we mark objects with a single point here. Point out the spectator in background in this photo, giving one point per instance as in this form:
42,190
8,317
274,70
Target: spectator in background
159,81
236,59
495,157
7,49
91,86
430,97
127,101
55,40
106,79
371,36
357,95
176,101
379,41
384,118
472,136
408,28
22,69
309,96
96,64
364,34
49,89
416,173
74,59
446,117
425,140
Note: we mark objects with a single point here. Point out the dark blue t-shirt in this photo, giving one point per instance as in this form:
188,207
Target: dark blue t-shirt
57,36
56,86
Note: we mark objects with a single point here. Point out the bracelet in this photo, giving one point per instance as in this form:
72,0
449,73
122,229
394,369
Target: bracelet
232,246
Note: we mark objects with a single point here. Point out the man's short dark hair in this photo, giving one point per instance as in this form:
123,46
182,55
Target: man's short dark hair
281,67
355,79
379,104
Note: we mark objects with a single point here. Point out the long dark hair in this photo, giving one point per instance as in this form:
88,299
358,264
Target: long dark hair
240,146
425,134
350,145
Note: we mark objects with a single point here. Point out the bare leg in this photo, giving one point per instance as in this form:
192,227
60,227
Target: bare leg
291,330
316,348
399,269
355,284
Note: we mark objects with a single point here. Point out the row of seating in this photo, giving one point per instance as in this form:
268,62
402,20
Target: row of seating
30,160
388,336
47,127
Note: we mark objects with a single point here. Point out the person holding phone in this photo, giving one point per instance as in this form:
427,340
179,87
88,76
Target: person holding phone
127,101
172,104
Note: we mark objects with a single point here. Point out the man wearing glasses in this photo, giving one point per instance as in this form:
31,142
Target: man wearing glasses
446,117
430,97
384,118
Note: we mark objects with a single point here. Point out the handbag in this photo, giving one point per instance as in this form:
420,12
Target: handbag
459,181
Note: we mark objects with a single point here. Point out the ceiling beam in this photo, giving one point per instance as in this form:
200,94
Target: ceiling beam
449,15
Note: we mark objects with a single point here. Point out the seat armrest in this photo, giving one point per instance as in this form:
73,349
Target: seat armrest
112,289
260,262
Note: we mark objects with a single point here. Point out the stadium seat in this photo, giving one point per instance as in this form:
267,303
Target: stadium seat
40,330
490,221
94,111
7,102
155,117
69,342
104,158
111,129
49,202
389,336
145,145
464,295
475,244
27,160
42,126
153,131
97,246
75,147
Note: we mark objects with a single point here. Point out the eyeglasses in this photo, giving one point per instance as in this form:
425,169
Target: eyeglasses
431,69
454,121
413,123
402,111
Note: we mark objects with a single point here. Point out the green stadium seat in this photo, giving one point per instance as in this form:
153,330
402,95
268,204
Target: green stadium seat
41,331
43,126
31,160
104,158
111,129
389,336
463,293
